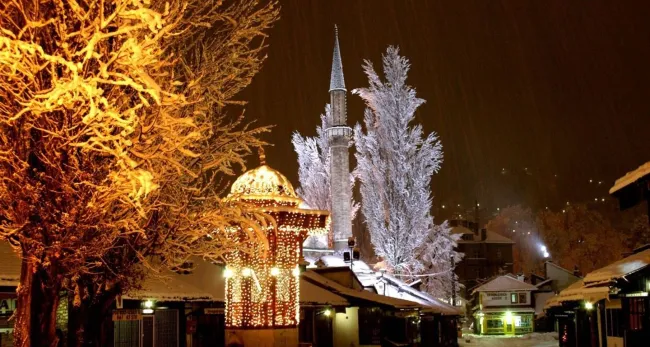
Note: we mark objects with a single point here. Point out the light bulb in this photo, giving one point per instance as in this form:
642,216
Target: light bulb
275,271
227,273
246,272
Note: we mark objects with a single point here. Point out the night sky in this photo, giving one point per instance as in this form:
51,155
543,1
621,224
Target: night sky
554,92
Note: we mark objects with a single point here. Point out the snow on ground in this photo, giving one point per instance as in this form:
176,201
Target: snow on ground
529,340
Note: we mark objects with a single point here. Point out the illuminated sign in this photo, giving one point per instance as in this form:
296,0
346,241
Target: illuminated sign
212,310
127,315
636,295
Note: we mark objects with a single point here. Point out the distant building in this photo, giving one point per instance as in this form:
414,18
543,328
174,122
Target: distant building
504,306
633,188
487,254
556,279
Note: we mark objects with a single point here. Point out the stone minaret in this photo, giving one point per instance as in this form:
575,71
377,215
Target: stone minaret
339,134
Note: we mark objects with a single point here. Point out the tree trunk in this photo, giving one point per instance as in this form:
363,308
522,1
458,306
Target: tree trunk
87,321
38,298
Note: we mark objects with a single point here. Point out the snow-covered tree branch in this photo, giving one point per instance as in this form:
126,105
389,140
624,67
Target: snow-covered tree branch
114,140
439,258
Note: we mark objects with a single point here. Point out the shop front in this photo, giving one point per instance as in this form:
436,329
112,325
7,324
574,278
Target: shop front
504,307
505,322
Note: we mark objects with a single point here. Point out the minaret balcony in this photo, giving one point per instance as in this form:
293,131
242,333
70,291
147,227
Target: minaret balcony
339,131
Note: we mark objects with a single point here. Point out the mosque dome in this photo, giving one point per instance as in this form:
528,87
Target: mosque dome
264,183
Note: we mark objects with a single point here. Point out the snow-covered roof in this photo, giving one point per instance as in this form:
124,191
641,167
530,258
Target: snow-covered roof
631,177
9,265
406,292
333,261
396,288
621,268
578,292
550,263
315,295
169,288
504,283
355,294
490,236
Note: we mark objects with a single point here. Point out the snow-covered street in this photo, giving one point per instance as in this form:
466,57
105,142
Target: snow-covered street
530,340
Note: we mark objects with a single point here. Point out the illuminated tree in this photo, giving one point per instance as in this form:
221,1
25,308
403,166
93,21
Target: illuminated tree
314,171
439,258
580,237
114,143
395,164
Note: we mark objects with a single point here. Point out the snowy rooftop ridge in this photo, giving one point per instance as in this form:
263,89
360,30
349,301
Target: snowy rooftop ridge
504,283
578,292
421,297
172,288
337,82
631,177
363,295
619,269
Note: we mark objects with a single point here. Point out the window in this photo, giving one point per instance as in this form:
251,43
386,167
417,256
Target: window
637,311
477,254
614,322
522,298
499,255
494,323
468,237
518,298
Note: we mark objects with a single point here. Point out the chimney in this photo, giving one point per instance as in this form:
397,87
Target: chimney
576,271
483,234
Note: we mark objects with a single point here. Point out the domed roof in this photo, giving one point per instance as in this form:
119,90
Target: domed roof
264,182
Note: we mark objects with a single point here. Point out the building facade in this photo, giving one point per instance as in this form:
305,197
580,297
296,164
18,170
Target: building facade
487,254
609,307
504,306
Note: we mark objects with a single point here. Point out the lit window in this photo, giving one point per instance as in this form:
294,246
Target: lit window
513,298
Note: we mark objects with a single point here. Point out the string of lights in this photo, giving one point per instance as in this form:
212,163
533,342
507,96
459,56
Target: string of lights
262,287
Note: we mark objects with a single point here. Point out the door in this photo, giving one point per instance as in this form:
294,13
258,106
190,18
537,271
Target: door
148,331
166,328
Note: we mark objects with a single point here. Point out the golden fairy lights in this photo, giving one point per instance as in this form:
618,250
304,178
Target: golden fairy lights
262,286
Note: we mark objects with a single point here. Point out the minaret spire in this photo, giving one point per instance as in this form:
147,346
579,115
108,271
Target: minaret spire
337,82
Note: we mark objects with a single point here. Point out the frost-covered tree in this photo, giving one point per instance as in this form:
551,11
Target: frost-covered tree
113,141
439,258
395,163
314,174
